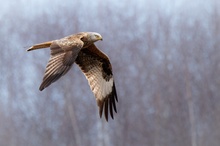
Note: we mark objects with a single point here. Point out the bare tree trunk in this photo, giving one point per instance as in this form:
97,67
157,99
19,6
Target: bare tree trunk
157,120
103,136
99,134
73,120
190,104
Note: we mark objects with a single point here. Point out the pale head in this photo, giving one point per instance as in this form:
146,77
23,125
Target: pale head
94,36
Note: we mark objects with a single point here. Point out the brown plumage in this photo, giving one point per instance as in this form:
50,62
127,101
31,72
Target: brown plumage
94,64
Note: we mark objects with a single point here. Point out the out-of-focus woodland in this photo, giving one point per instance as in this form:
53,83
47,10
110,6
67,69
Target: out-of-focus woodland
166,62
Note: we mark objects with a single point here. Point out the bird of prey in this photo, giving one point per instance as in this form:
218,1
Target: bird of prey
95,65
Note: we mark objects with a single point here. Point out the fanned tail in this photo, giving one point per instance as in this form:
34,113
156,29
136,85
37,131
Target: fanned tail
40,46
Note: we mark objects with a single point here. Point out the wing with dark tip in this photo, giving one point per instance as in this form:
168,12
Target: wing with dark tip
63,54
98,71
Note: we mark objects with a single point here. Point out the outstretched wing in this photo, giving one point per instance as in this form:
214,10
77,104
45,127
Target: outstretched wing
98,71
63,55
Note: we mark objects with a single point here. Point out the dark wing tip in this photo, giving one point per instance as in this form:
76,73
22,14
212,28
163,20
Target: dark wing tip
106,110
108,105
28,50
100,104
41,88
115,93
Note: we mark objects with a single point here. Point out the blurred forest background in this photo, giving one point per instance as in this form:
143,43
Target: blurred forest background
166,62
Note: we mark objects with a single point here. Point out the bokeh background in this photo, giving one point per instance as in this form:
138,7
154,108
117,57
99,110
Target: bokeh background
166,62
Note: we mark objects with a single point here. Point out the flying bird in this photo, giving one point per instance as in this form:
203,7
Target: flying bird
95,65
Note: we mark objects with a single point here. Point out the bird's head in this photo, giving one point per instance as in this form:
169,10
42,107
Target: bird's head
94,36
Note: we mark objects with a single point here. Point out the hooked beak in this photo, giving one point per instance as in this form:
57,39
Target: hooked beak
100,38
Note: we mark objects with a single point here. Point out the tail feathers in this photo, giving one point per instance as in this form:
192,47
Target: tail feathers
40,46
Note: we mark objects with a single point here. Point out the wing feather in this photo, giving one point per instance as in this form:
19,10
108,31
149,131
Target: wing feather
63,55
97,68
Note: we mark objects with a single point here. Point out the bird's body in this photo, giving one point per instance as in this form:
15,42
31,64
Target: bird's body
95,65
